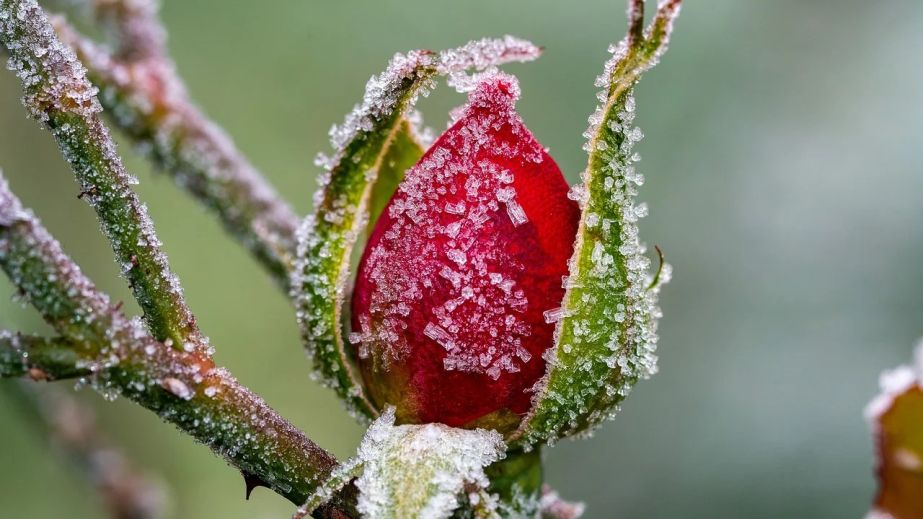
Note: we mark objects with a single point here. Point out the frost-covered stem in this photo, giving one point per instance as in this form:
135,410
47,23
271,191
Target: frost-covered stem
145,98
120,357
58,94
132,26
70,427
40,358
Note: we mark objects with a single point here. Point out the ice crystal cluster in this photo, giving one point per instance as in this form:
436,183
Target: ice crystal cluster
420,470
37,51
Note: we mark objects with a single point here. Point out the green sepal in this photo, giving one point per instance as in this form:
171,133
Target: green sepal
606,332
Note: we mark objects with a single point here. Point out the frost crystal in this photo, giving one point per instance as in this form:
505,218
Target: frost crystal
420,470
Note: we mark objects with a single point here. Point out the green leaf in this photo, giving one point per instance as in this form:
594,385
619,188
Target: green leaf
374,140
606,333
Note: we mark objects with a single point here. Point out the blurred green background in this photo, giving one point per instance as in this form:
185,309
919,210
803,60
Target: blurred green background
782,159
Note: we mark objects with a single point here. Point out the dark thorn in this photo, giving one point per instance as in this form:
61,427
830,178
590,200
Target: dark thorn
38,375
87,192
252,481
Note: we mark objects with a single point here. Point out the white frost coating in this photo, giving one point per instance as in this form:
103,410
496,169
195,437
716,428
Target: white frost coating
178,388
57,92
893,383
483,55
35,50
419,470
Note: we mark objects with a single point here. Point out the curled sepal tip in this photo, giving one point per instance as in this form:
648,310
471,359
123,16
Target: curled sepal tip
606,331
375,141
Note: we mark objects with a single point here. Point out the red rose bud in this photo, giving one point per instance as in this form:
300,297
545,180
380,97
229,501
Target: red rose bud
447,312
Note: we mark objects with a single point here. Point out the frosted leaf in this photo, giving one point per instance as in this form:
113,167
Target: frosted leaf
420,470
896,419
893,383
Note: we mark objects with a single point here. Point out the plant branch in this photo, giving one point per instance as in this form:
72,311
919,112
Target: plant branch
58,94
40,358
71,428
183,388
146,99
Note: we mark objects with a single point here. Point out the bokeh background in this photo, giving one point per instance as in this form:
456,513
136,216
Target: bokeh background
783,162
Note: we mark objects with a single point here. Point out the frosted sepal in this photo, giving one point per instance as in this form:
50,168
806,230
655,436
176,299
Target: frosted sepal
422,470
896,418
606,332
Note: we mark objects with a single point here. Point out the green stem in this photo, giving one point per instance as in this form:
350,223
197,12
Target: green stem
183,388
58,94
40,358
519,474
145,98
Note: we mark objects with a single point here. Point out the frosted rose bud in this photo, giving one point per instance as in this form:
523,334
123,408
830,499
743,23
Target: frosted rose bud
448,309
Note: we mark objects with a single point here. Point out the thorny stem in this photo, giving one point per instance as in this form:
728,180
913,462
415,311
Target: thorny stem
182,387
145,98
58,94
71,428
